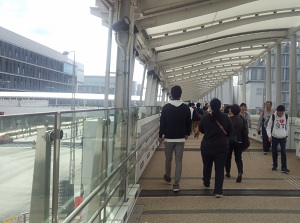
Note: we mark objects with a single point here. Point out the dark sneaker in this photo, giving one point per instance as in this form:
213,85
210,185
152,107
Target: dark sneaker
239,178
285,170
176,187
274,168
167,179
266,153
218,195
206,186
227,175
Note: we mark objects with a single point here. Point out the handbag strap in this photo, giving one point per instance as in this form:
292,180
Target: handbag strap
221,127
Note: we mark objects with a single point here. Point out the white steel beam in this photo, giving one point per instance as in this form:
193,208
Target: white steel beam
209,55
228,42
183,35
170,13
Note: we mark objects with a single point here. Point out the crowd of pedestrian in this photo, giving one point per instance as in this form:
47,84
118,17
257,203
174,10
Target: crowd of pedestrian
225,132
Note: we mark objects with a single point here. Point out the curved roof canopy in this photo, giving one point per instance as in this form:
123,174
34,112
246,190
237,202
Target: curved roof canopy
199,44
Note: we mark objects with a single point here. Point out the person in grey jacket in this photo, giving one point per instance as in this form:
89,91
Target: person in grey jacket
262,125
175,125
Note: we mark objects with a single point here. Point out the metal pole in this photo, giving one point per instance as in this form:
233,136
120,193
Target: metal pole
56,156
268,77
129,62
244,85
108,52
278,90
73,84
293,77
72,141
142,88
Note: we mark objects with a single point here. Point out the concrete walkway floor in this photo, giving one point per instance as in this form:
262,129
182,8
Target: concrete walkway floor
262,196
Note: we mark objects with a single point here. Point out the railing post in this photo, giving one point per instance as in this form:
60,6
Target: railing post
56,155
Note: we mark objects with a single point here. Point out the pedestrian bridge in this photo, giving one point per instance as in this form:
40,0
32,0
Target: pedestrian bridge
105,165
94,165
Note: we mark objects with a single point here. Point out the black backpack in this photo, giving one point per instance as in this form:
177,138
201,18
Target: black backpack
273,119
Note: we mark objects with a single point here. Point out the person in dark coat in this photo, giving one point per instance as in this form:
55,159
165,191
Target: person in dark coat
175,125
197,115
235,142
216,127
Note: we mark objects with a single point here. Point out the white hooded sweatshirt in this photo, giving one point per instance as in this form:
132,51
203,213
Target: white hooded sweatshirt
280,127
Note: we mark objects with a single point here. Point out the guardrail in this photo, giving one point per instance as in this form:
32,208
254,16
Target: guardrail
97,162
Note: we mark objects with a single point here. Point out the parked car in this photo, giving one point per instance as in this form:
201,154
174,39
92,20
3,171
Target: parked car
4,138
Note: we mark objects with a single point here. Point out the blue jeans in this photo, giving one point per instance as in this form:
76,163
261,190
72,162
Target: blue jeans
282,143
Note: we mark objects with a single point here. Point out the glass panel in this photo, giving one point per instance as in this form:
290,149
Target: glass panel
82,158
117,151
26,161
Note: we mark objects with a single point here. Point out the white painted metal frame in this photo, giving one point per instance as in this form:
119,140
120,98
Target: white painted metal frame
199,44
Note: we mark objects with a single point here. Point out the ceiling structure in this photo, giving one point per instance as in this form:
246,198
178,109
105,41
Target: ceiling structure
200,44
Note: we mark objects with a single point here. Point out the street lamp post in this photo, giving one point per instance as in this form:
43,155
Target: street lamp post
73,79
72,139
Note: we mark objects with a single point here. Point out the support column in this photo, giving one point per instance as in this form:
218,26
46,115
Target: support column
221,93
216,93
154,91
293,77
108,54
122,60
230,91
244,85
142,87
238,91
278,90
148,90
268,77
163,97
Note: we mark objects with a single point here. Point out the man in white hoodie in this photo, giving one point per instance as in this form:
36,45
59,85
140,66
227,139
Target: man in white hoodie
277,130
175,126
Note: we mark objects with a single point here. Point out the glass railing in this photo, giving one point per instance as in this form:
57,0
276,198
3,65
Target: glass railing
68,165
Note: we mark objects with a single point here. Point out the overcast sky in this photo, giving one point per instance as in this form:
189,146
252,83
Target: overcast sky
62,25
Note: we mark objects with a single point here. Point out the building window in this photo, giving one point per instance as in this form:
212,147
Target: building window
259,91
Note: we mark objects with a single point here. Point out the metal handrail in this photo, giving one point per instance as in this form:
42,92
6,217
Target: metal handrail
103,184
114,190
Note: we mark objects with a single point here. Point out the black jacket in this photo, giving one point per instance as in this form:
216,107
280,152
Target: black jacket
238,126
195,114
214,137
175,120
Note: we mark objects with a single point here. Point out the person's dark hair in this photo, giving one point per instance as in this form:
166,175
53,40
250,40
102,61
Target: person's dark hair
215,105
243,104
198,105
235,109
269,102
193,104
280,108
190,104
226,109
205,108
176,92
